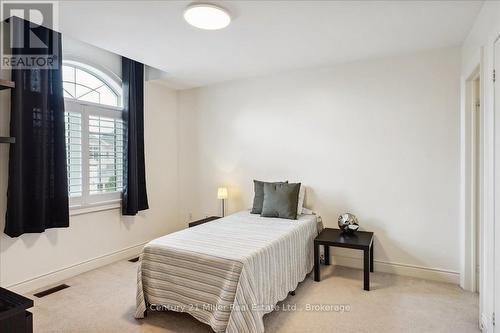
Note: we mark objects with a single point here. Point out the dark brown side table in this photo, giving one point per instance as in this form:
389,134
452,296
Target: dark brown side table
360,240
14,317
204,220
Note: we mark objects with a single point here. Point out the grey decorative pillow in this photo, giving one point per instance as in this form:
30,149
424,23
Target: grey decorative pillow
280,200
258,199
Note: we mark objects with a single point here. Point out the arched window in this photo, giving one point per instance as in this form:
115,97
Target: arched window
85,83
94,135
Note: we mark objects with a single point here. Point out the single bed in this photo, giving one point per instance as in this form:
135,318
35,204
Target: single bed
227,273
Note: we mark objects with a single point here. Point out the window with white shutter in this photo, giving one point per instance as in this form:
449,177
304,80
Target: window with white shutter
105,154
94,137
74,152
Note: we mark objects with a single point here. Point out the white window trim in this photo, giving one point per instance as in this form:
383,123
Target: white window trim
106,76
80,210
87,202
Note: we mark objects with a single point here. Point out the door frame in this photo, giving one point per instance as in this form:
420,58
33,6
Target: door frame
489,297
495,242
469,206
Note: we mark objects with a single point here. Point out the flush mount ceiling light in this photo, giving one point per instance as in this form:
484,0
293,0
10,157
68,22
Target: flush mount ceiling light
207,16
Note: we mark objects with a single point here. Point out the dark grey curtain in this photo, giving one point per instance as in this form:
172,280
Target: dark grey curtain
37,195
135,196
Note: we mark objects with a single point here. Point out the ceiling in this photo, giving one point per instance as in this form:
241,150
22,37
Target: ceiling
265,36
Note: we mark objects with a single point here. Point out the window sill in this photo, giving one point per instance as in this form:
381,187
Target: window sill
80,210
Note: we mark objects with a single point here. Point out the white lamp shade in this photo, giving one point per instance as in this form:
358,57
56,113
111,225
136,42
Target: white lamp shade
222,193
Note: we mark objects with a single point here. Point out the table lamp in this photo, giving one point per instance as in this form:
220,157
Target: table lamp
222,195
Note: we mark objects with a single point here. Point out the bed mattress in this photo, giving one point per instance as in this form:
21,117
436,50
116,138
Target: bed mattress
229,272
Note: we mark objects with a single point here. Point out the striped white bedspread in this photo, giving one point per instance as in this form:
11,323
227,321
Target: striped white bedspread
227,273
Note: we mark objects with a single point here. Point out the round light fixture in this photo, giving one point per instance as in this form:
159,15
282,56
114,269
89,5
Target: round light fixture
207,16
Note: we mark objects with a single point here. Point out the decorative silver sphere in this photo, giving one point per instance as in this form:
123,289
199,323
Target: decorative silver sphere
348,223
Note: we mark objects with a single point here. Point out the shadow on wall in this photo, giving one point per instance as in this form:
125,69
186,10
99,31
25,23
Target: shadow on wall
29,239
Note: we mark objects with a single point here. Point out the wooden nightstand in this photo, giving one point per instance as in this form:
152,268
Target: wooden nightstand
360,240
204,220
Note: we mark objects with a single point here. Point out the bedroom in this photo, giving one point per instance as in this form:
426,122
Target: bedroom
381,109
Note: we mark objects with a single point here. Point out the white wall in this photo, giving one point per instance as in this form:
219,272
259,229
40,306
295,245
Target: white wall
34,260
376,138
79,51
478,47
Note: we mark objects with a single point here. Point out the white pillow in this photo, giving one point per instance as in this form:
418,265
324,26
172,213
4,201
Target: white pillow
302,195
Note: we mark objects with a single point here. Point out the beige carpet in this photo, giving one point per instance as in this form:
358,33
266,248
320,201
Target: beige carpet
103,300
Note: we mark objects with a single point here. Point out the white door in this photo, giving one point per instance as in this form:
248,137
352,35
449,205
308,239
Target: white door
495,246
477,164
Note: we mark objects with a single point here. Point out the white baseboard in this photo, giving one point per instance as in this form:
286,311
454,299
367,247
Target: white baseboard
54,277
421,272
59,275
